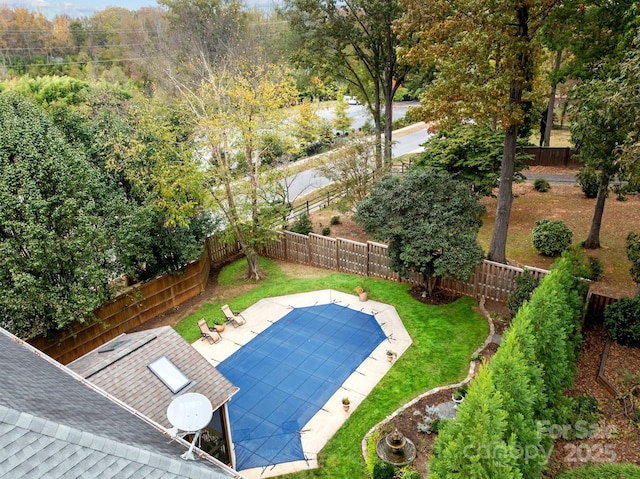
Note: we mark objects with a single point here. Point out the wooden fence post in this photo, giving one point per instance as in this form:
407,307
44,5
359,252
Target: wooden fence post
366,270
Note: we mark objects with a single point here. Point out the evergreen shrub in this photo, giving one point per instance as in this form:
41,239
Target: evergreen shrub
525,284
551,237
541,185
594,269
302,224
523,384
622,321
383,470
588,181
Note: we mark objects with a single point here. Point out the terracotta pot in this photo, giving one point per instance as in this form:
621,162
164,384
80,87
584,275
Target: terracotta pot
219,327
345,407
364,296
390,358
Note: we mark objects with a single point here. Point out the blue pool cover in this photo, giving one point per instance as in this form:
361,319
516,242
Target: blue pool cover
287,373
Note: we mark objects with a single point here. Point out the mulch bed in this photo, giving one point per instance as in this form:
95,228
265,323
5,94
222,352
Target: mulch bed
408,420
437,297
617,437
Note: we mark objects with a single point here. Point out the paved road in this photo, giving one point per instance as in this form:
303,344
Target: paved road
406,140
360,115
569,178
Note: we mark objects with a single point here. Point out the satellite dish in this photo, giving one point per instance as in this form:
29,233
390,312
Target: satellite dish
190,413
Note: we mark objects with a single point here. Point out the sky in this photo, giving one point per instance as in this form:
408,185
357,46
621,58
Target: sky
76,8
80,8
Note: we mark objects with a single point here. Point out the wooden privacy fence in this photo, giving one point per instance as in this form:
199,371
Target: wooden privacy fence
596,304
492,280
135,306
550,156
145,301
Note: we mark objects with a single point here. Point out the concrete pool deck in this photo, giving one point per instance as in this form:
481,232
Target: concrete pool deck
358,385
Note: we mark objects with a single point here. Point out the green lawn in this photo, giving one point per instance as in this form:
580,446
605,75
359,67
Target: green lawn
444,338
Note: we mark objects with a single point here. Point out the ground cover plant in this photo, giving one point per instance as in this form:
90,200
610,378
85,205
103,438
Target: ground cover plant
602,471
443,340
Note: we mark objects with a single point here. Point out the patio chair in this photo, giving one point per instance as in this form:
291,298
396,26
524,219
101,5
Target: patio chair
211,336
234,318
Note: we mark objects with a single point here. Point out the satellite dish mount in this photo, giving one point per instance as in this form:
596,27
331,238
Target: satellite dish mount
189,413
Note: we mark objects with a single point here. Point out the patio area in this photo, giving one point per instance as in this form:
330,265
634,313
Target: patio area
325,419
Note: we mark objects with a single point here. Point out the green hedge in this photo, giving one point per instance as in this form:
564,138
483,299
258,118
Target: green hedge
495,432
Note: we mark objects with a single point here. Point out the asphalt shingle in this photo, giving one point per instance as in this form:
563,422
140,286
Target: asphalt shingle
55,425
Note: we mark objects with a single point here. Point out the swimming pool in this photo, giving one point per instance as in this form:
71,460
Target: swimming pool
288,372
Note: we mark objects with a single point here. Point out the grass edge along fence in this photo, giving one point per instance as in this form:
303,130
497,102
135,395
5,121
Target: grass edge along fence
145,301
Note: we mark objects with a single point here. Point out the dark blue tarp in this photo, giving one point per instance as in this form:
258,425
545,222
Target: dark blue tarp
287,373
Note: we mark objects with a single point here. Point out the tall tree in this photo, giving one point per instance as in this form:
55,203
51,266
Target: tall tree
351,168
356,43
55,250
598,127
151,153
606,131
430,221
142,148
202,33
586,39
470,153
233,108
485,60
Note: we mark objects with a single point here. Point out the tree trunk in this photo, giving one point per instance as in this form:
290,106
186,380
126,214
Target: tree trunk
637,292
593,240
552,101
377,120
498,248
430,283
253,265
564,112
494,120
388,131
388,91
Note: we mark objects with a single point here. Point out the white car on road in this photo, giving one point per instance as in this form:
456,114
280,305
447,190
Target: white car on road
351,100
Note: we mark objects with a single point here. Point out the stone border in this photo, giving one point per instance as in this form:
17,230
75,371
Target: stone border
472,371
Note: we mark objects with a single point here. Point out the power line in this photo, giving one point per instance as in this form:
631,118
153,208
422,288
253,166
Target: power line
69,47
34,65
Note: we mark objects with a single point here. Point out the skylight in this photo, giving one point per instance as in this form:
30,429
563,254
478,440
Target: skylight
169,374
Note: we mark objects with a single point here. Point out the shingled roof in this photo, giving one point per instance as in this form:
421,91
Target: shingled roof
123,371
54,424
